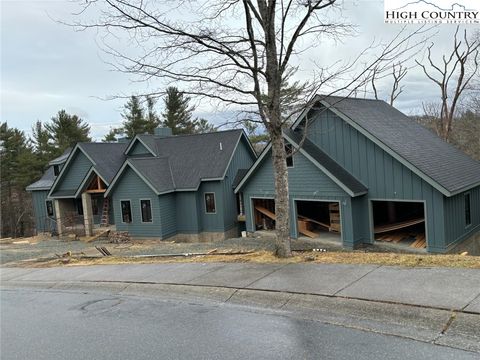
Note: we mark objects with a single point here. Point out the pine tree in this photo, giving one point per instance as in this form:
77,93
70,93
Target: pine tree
134,120
178,112
66,130
152,118
43,147
18,168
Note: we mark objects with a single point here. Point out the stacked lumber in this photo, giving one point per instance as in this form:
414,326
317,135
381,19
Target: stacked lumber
334,211
420,242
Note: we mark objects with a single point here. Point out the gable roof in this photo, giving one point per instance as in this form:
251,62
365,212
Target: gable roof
440,164
319,158
44,183
146,140
106,159
182,162
48,177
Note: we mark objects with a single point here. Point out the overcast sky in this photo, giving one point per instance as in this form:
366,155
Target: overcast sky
46,66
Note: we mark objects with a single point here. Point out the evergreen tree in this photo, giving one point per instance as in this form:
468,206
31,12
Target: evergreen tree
152,118
134,120
66,130
43,147
18,168
111,136
178,112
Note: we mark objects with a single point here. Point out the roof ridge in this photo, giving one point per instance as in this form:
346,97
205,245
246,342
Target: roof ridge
199,134
351,98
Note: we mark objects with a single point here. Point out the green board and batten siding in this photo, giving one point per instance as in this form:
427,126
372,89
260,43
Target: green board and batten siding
75,173
306,182
242,159
385,177
42,220
455,223
131,187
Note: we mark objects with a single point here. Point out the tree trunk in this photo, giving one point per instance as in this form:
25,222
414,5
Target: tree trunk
282,214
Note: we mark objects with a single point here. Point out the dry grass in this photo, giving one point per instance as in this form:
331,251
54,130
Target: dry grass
265,257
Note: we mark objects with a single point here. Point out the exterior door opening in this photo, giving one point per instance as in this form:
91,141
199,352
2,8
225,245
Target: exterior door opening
319,219
399,222
264,214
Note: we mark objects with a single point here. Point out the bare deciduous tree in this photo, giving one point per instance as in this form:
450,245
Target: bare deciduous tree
399,71
458,69
238,52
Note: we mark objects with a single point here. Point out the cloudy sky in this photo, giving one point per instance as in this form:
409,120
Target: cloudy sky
46,66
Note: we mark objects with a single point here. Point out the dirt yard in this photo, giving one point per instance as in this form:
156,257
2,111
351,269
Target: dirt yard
45,252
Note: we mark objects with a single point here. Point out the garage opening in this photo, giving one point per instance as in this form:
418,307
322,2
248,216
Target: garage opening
399,222
319,219
264,214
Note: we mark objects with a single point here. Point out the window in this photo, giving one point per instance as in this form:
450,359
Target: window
56,170
49,205
468,217
126,211
210,203
146,209
289,151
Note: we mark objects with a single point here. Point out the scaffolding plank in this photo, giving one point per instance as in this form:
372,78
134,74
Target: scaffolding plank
397,226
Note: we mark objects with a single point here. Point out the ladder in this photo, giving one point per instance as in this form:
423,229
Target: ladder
105,212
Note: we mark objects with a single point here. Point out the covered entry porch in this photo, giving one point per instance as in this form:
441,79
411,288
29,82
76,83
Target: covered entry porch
85,211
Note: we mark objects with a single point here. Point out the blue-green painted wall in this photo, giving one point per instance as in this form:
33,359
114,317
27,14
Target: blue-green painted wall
139,149
384,176
131,187
75,172
42,221
188,220
211,222
168,216
455,224
306,182
243,158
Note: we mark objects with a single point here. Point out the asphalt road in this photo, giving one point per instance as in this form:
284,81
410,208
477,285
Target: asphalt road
52,324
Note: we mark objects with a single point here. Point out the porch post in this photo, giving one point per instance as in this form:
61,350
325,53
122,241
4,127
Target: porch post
59,214
87,213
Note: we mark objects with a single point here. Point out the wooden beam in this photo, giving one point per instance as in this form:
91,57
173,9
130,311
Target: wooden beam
96,191
400,225
265,212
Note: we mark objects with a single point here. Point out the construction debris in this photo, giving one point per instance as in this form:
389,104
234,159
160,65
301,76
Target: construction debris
118,237
103,250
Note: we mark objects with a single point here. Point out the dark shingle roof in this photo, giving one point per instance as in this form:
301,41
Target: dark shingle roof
149,140
438,160
196,157
183,161
45,182
342,175
156,171
108,157
62,158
